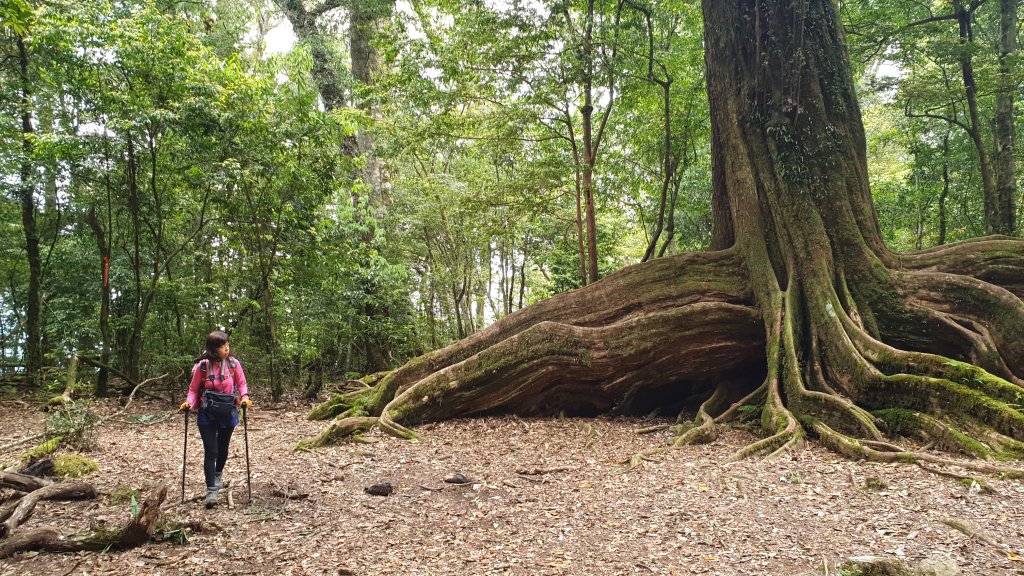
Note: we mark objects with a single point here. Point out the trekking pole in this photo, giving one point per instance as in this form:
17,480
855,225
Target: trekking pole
248,475
184,461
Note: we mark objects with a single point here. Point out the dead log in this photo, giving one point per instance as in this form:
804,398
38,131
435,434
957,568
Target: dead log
22,511
137,532
39,468
22,482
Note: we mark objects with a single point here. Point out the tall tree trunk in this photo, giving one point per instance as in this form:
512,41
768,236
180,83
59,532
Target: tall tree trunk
806,318
1003,132
589,148
577,162
945,189
963,18
366,19
33,334
325,62
103,244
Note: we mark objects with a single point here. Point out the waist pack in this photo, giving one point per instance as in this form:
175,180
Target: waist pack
218,405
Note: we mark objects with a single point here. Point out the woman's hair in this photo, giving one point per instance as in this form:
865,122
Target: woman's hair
214,340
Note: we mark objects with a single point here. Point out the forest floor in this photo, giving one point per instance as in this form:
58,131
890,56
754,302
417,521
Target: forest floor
546,496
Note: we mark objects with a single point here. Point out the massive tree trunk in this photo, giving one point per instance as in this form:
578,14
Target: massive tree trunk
804,316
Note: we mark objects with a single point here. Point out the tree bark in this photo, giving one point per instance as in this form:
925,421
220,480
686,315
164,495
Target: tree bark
33,333
963,18
103,244
945,189
1003,131
804,316
366,19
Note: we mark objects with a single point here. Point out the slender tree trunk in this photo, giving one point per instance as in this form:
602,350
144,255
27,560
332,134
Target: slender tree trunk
591,142
963,18
667,167
33,335
581,237
103,246
945,188
588,194
1004,133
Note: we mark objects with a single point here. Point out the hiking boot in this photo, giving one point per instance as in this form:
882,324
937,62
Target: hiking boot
211,497
218,482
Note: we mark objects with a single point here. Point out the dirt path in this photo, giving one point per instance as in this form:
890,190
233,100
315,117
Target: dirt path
687,513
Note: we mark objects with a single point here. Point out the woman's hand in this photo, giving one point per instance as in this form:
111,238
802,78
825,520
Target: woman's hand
245,403
184,406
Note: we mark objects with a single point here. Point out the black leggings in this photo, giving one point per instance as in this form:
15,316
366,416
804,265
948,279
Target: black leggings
215,450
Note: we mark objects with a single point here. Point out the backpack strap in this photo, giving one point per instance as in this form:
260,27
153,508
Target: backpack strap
225,365
204,368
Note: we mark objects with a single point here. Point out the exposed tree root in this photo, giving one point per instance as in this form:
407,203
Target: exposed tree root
338,431
849,359
973,532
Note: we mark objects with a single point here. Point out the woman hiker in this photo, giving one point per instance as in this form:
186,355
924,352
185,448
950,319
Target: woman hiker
218,387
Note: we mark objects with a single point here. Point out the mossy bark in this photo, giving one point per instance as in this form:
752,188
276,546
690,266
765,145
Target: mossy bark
802,310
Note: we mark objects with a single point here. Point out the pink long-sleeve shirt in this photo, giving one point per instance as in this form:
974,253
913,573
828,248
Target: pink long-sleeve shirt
201,380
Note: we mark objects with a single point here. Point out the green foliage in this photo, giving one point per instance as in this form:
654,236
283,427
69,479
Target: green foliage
73,423
172,532
124,495
924,162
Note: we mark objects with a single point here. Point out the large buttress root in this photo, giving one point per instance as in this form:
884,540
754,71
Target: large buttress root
832,371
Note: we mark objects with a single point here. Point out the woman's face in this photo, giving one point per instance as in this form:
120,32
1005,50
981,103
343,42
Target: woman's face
224,351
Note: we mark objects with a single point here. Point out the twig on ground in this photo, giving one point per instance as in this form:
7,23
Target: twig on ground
541,471
973,532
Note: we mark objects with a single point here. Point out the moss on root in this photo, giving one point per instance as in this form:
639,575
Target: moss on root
43,450
947,437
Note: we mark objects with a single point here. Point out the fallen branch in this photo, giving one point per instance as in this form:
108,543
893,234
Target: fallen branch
27,505
22,482
541,471
984,487
138,531
292,495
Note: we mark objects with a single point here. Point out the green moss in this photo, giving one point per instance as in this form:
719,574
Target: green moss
899,421
43,450
73,465
926,394
343,405
905,422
